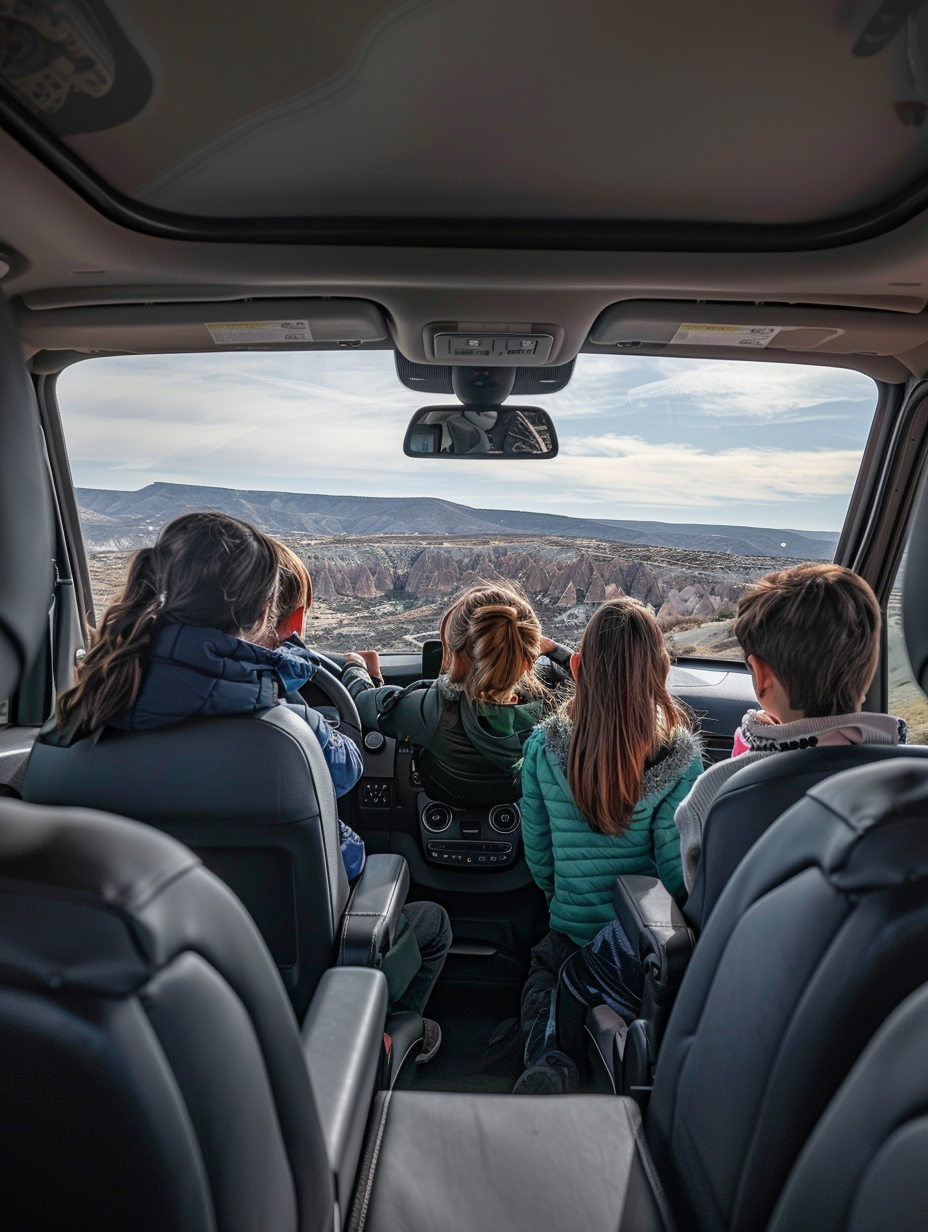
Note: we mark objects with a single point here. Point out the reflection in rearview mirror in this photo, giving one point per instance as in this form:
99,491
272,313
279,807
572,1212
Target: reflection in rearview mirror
480,432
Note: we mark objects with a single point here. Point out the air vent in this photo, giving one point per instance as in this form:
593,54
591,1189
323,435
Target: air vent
505,818
436,817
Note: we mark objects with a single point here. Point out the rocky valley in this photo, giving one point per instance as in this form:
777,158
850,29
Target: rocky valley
388,591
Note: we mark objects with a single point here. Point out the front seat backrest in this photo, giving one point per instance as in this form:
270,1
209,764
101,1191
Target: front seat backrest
835,898
251,794
753,799
135,985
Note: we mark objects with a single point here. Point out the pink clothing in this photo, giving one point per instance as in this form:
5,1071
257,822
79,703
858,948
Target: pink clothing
740,745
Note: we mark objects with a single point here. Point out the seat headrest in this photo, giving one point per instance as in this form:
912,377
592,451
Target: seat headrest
74,884
884,839
26,525
915,592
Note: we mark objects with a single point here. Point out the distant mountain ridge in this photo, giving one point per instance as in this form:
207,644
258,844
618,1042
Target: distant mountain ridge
119,520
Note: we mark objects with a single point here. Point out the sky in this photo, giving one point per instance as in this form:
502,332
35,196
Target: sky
664,439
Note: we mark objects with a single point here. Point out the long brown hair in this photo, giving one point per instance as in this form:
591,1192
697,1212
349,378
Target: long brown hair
622,712
205,569
496,636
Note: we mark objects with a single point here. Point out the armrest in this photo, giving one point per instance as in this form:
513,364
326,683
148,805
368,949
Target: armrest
655,925
342,1044
373,912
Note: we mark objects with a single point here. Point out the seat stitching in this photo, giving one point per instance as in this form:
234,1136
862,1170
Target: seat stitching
375,933
357,1225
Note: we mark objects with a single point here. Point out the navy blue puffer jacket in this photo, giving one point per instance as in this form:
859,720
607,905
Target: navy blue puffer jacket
196,672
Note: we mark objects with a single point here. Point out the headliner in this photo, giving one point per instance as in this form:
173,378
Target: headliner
738,112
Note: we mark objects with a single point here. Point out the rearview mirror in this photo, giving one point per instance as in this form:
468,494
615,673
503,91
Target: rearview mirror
480,432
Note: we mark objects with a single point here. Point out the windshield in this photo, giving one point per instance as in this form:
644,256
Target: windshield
678,481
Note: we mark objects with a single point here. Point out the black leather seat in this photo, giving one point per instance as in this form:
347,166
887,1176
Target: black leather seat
250,794
665,936
154,1077
753,799
863,1169
821,933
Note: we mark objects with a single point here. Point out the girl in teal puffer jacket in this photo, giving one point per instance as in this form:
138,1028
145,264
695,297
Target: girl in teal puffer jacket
601,780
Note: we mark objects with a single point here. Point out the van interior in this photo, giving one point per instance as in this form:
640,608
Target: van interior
595,299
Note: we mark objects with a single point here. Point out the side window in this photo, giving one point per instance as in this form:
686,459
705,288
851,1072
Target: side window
905,697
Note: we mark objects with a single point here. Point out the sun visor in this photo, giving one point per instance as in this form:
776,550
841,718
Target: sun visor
265,324
723,329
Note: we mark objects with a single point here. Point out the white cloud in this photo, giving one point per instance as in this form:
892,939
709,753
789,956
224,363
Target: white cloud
764,391
334,423
684,474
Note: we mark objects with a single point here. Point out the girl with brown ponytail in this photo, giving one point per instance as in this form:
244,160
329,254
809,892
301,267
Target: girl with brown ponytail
184,640
469,725
601,781
206,570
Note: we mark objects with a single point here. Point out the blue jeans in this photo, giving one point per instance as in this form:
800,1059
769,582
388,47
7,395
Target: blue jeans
432,929
539,1002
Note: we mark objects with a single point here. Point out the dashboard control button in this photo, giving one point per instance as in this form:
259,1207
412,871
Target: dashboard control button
374,741
375,793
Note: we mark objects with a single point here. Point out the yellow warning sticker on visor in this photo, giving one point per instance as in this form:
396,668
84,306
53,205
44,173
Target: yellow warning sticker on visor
231,333
725,335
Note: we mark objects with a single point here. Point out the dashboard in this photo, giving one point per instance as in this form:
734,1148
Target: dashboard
480,849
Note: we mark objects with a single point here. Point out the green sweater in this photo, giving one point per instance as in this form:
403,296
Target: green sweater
576,866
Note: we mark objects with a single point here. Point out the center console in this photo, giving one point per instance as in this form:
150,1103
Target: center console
468,838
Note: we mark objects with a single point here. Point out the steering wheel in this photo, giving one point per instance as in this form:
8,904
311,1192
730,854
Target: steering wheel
325,689
329,664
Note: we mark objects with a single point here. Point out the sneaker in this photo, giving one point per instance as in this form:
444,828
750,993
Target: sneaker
555,1074
431,1040
505,1046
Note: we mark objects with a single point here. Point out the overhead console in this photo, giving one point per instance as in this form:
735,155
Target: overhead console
682,327
527,382
492,343
259,324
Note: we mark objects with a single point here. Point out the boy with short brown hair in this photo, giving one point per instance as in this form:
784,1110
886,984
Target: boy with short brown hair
811,637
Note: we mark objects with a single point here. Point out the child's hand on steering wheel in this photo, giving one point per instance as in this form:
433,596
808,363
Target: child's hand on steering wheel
368,659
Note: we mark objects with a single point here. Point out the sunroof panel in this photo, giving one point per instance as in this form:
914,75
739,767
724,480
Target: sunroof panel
735,112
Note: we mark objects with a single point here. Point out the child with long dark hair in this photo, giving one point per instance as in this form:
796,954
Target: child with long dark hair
187,638
601,780
208,624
